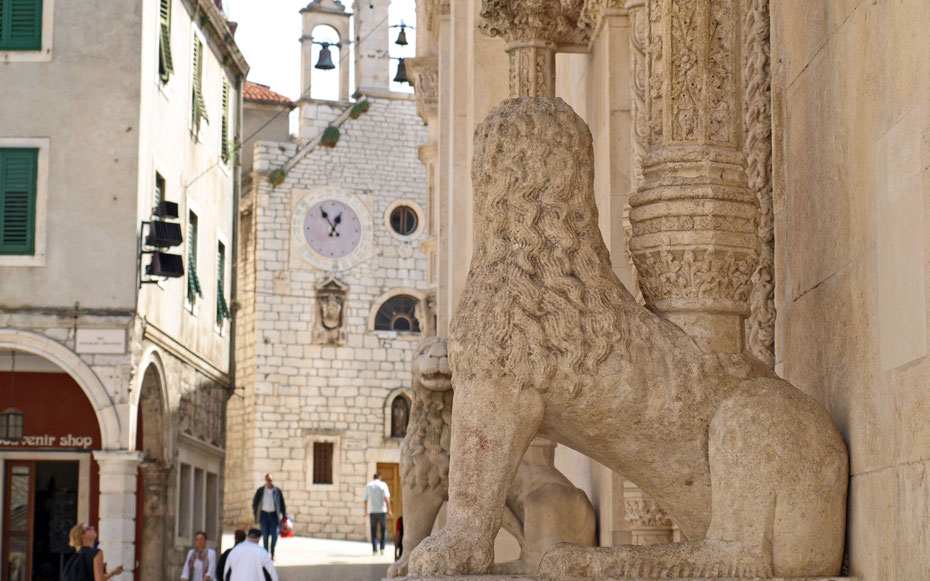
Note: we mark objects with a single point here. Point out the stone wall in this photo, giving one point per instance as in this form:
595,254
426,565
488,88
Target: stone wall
852,128
296,392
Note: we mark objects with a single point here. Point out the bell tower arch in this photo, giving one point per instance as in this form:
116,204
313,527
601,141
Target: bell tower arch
333,14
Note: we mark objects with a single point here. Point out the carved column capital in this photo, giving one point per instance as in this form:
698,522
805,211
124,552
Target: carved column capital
436,9
534,31
594,11
423,73
647,522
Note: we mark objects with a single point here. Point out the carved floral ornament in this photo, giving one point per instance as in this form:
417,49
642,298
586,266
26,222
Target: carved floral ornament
423,73
435,9
554,23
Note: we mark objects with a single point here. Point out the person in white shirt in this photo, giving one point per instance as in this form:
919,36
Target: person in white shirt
376,498
247,560
201,561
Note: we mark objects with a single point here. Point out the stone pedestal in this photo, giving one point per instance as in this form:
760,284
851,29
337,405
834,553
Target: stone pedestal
117,523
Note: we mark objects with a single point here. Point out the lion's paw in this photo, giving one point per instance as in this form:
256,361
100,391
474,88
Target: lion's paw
451,553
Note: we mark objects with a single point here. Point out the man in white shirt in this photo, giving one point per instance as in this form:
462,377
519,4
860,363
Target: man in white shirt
376,498
246,561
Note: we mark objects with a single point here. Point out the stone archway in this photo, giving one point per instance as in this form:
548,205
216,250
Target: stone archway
151,440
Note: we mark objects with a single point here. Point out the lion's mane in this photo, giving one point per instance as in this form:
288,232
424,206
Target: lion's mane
540,300
425,451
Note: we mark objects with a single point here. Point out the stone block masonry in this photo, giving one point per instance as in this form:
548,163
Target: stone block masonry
294,392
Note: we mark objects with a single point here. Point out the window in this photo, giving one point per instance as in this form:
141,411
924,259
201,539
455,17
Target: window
224,125
322,462
20,24
193,282
159,191
165,63
397,314
404,220
18,174
212,504
185,482
400,415
222,310
198,108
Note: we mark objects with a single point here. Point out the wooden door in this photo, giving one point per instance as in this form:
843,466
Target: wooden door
19,498
390,474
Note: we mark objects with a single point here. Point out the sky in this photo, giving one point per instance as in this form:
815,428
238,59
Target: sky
269,38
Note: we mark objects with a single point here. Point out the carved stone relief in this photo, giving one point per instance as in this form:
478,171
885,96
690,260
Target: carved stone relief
329,328
423,73
757,121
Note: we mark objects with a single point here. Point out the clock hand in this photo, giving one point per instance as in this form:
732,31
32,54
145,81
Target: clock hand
336,221
326,217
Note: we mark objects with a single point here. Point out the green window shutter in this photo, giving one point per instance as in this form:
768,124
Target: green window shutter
193,282
198,108
18,200
224,126
222,309
20,24
165,62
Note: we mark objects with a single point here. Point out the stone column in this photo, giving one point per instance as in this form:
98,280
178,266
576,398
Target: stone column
534,31
694,217
155,482
648,523
117,506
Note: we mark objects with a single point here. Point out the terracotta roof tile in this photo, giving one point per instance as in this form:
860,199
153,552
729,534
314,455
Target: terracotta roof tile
262,94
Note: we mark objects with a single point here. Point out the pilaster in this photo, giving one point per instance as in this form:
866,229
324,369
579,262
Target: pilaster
694,217
117,507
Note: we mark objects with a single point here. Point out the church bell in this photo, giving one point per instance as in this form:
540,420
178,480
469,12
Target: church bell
325,61
401,76
402,37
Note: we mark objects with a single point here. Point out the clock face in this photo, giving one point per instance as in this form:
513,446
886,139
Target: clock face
332,229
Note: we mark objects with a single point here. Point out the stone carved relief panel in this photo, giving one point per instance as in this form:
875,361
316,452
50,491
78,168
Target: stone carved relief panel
330,316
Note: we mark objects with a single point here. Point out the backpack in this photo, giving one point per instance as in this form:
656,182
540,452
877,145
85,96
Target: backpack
79,566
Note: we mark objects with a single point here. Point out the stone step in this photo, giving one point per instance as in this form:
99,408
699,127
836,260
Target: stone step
545,578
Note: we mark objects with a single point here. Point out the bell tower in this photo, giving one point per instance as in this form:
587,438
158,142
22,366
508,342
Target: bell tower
327,13
372,53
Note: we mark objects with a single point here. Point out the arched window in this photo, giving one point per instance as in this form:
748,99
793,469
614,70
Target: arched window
397,314
325,84
400,415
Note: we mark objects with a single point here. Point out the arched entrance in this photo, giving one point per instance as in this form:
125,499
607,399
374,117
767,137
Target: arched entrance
48,479
151,433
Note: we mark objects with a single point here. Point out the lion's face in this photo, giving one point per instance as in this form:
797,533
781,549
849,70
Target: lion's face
431,365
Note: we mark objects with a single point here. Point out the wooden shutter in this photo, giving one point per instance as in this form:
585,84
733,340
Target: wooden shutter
20,24
224,126
198,108
322,462
165,62
17,200
222,309
193,282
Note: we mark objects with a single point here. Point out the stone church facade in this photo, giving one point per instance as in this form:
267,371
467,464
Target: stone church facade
813,117
332,287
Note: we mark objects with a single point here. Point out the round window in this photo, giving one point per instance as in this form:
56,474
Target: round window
404,220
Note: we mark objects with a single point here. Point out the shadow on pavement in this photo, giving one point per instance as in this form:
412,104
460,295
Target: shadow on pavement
347,572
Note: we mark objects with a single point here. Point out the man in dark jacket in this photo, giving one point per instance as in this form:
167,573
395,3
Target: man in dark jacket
268,507
238,537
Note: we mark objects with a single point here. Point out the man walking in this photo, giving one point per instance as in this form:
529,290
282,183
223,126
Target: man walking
376,499
249,562
268,507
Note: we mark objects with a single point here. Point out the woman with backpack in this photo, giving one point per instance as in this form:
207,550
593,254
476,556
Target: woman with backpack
87,563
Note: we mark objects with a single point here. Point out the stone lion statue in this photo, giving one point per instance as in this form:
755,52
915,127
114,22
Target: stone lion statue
546,339
543,507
